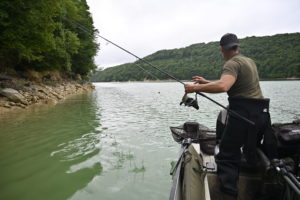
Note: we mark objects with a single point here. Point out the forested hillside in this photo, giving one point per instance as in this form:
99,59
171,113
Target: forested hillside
276,56
44,35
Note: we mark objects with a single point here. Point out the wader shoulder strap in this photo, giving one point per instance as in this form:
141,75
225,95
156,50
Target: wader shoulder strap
270,142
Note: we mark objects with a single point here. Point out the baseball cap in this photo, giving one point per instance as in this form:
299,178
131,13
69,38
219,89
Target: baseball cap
229,40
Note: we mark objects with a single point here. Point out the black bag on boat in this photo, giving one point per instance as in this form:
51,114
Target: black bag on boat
288,138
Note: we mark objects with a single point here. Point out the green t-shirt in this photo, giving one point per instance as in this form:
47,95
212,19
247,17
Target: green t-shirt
247,80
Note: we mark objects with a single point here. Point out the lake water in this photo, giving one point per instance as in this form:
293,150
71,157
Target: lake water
111,144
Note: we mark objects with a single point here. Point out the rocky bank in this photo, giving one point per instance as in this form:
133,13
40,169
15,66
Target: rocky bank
17,93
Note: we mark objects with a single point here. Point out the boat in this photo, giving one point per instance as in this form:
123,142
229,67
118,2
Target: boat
195,173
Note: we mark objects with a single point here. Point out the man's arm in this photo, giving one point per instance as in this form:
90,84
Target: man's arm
200,80
223,85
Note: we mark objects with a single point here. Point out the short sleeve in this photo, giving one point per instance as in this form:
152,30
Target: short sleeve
231,68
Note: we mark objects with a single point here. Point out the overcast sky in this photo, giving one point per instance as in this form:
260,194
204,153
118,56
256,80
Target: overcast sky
146,26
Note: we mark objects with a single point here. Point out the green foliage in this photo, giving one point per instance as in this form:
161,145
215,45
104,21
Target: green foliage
35,35
26,29
276,56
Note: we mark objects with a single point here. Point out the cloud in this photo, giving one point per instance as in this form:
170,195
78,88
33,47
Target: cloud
146,26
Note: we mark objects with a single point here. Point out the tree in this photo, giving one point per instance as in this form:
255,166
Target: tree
47,35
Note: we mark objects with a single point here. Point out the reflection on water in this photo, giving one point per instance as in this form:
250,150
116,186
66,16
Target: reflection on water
40,147
111,144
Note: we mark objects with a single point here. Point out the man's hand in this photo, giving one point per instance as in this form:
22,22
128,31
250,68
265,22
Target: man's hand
189,88
222,85
200,80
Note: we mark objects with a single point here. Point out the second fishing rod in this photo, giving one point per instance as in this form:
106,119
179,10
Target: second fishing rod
162,71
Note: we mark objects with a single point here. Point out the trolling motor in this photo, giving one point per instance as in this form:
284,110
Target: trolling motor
190,102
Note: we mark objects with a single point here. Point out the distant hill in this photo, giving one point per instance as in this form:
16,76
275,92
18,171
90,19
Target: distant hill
276,56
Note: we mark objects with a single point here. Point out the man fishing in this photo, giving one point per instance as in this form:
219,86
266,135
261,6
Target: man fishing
241,82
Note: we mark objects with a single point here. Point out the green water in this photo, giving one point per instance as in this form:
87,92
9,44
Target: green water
113,143
31,163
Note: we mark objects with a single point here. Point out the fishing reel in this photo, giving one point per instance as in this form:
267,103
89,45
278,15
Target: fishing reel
190,102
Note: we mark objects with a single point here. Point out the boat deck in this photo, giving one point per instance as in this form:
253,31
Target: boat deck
249,182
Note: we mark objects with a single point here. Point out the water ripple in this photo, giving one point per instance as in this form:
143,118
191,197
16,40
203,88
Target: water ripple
77,148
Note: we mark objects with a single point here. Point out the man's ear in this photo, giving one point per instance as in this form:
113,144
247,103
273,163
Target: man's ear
222,49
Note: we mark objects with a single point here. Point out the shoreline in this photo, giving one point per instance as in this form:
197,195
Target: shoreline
18,94
170,80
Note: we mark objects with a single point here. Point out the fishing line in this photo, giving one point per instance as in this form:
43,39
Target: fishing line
162,71
141,59
151,74
107,40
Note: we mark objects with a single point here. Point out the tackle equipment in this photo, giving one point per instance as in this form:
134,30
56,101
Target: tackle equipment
190,102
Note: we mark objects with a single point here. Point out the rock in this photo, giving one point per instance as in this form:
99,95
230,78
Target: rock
85,89
39,95
3,101
7,105
56,95
34,99
78,86
20,105
13,95
5,77
50,101
12,103
28,89
22,93
39,89
28,84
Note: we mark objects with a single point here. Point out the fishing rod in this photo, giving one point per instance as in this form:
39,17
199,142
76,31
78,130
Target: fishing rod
162,71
